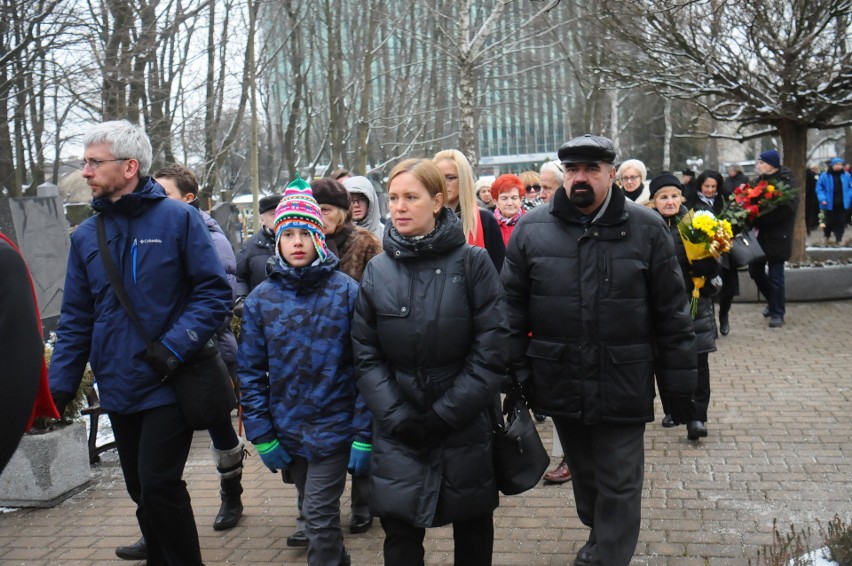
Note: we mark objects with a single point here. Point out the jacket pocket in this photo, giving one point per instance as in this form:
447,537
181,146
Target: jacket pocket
555,388
629,386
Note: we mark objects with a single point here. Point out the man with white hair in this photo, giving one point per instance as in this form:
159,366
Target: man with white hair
550,179
166,261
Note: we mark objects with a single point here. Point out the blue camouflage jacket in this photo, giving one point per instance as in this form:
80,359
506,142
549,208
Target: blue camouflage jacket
296,371
174,279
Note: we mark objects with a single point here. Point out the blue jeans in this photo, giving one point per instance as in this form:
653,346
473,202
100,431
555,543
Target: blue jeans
770,286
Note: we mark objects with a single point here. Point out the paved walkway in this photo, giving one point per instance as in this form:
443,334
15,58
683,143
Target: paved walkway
780,446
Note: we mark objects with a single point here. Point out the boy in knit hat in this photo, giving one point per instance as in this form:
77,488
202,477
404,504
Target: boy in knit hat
296,372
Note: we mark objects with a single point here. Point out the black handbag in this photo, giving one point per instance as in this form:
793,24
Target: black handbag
745,249
520,458
202,384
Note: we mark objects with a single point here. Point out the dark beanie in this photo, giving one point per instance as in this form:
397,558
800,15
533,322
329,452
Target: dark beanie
688,172
771,157
663,180
268,203
329,191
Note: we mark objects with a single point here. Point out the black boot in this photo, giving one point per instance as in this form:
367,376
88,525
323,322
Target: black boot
724,308
229,463
136,551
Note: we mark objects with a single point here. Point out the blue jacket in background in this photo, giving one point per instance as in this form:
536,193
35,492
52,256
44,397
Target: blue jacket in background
176,283
227,341
296,371
825,190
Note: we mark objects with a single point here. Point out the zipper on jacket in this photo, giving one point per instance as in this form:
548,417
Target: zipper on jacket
133,256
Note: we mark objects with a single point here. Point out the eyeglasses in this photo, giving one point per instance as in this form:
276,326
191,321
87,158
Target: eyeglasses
359,200
95,163
532,188
631,179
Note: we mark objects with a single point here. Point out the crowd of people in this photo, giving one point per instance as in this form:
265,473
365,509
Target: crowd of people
379,346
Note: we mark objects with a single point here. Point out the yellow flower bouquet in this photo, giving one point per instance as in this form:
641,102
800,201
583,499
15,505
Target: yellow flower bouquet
703,236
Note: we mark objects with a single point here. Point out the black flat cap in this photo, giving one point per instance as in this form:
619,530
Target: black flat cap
268,203
587,149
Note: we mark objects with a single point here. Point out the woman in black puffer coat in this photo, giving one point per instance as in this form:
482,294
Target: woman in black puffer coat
429,339
667,198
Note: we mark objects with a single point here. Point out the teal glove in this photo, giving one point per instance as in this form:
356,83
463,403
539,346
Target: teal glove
359,458
273,455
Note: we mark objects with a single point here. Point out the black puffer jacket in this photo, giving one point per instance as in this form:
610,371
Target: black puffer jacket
251,261
418,343
775,228
704,322
605,305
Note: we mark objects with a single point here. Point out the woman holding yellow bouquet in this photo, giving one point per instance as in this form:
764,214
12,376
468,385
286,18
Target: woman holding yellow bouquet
667,199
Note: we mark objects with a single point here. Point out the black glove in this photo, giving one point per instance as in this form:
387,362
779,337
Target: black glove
423,430
163,360
681,409
61,400
707,267
411,432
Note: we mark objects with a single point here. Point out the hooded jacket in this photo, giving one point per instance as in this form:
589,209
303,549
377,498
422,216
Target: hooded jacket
296,374
174,279
605,303
373,220
825,189
430,334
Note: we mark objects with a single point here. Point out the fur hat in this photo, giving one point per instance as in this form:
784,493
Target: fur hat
268,203
771,157
663,180
299,209
329,191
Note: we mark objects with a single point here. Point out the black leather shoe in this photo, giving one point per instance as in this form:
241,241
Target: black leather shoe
668,422
539,418
297,540
360,524
695,430
776,322
724,327
136,551
586,556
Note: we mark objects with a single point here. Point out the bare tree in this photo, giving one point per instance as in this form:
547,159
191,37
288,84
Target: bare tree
782,66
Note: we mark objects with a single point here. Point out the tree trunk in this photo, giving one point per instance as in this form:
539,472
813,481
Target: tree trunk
794,139
667,136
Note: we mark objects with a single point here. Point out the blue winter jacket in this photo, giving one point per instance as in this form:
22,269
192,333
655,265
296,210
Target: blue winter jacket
227,341
177,285
296,371
825,190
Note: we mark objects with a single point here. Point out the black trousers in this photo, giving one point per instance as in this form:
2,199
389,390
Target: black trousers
835,223
608,464
702,391
473,542
153,446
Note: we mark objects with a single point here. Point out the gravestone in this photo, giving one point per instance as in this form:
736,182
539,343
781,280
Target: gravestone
38,227
228,216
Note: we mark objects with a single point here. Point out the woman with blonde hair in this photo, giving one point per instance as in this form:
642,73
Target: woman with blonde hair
432,456
631,174
479,226
531,197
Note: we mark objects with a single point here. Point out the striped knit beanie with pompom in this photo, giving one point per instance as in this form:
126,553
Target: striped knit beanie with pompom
299,209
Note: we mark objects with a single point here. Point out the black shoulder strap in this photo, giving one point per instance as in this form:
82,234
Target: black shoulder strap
115,279
467,271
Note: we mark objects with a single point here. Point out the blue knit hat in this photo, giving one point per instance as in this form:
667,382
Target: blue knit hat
837,160
771,157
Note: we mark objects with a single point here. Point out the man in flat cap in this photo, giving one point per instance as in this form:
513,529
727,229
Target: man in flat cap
597,309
